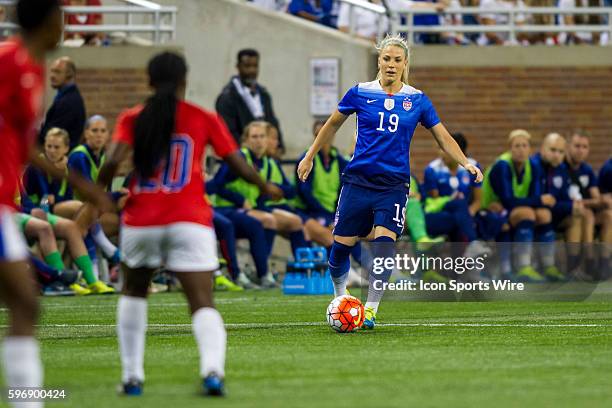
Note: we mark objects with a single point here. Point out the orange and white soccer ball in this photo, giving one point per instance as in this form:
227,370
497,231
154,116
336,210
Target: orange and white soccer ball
345,314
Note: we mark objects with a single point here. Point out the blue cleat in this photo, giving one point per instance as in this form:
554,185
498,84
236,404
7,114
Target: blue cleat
213,386
370,319
131,388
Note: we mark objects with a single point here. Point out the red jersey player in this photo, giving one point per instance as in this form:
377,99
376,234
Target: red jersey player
21,91
166,220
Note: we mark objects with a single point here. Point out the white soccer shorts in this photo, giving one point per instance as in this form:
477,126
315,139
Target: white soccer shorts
179,247
13,247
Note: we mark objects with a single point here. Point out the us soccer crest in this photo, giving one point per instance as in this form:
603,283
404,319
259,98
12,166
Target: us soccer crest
557,181
407,104
584,180
389,104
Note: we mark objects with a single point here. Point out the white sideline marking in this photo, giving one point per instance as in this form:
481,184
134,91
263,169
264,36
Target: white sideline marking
306,324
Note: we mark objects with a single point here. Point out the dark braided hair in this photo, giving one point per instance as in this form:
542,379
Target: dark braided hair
155,123
32,14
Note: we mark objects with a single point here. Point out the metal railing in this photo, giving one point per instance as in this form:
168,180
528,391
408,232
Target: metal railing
401,20
161,28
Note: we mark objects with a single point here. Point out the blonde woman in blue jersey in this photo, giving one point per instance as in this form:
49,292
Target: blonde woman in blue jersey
376,181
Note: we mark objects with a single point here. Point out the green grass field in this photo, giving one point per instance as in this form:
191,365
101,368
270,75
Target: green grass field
282,354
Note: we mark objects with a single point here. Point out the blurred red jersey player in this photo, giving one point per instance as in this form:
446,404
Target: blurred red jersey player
21,88
166,220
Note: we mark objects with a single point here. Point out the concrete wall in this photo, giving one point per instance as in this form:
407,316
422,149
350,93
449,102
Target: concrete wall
212,32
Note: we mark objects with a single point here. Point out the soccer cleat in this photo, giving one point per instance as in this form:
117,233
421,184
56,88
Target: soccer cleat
101,288
268,282
370,319
79,290
131,388
213,385
245,282
553,274
223,283
433,276
426,242
528,274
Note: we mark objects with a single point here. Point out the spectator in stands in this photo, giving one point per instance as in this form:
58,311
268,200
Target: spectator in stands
568,212
319,11
581,37
84,19
468,19
513,184
366,23
429,20
243,100
583,187
454,38
68,108
542,19
500,19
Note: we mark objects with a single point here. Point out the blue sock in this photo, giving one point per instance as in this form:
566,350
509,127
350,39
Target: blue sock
270,235
545,235
504,249
339,262
298,241
523,232
464,221
90,244
46,273
523,236
227,242
248,227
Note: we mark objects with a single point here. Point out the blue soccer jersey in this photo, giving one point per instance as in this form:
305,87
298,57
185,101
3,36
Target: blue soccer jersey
605,177
582,179
385,125
439,177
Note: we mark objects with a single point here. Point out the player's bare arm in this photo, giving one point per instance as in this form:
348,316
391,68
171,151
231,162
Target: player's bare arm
326,134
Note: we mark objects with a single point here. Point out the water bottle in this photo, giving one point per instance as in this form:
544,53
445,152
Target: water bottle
44,204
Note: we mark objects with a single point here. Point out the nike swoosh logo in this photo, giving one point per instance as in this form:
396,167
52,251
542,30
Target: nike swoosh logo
371,100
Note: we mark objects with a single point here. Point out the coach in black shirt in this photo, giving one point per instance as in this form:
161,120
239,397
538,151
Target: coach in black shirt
68,109
243,100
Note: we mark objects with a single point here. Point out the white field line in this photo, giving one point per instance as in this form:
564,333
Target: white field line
306,324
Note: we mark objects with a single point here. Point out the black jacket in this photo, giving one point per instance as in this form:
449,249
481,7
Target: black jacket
237,115
67,112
